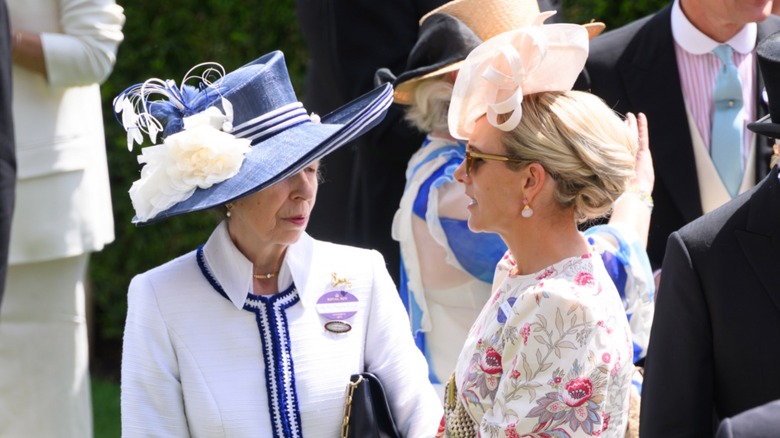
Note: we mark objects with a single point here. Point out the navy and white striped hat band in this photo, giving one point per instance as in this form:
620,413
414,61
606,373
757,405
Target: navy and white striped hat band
266,131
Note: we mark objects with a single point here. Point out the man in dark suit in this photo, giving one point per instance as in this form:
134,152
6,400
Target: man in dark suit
7,147
638,68
348,41
713,345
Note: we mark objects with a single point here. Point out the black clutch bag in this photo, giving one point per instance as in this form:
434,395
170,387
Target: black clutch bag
366,411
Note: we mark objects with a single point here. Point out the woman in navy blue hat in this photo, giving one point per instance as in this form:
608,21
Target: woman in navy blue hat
257,332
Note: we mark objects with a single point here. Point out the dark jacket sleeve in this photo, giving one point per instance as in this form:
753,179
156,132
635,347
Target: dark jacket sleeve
677,394
7,146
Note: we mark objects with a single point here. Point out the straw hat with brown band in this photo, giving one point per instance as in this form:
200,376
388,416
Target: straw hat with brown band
486,18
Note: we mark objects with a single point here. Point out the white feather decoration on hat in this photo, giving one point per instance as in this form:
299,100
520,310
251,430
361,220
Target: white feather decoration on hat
141,115
198,150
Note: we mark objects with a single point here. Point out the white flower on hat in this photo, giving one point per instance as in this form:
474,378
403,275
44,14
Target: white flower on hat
213,117
199,156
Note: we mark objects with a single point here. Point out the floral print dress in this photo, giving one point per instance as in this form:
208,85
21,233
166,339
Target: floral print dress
550,354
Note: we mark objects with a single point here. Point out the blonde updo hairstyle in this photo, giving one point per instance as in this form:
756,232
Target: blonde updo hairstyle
430,104
586,148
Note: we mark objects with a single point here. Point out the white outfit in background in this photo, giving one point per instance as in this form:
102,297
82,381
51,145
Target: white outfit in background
62,213
446,268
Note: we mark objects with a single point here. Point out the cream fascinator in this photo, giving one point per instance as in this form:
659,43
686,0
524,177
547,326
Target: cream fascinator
499,72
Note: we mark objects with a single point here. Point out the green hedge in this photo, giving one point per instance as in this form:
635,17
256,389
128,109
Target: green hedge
164,39
614,13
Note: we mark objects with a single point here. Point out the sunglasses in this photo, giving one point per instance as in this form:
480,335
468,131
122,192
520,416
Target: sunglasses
472,156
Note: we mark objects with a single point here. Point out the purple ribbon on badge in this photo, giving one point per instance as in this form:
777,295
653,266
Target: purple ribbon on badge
337,305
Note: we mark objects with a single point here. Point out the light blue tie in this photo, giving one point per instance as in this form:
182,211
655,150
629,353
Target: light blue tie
726,140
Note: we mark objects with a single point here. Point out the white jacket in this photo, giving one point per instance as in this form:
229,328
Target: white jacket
63,202
193,362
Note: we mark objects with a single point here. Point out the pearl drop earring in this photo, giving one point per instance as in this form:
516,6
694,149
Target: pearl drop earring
527,210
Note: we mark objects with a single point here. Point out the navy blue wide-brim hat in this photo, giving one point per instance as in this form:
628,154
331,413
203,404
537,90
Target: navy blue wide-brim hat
232,137
768,52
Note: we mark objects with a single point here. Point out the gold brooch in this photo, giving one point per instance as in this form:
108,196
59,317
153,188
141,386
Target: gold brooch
336,281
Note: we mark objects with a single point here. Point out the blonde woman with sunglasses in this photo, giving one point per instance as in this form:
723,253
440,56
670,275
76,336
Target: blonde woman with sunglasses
551,351
447,270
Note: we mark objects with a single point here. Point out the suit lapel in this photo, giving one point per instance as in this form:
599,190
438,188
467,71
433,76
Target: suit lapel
649,70
760,240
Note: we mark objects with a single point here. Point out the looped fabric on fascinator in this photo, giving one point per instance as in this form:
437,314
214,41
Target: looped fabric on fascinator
496,75
230,137
450,32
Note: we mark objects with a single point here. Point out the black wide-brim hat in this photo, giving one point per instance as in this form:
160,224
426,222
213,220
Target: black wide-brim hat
442,43
768,52
282,137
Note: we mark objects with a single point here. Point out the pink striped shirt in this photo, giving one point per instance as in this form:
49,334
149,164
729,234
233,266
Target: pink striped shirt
698,69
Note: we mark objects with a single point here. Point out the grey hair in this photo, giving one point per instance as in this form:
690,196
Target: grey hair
430,104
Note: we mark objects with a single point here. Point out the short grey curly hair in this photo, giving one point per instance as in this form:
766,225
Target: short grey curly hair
430,104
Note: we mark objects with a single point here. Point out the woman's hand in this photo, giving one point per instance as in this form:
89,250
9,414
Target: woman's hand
644,175
634,207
